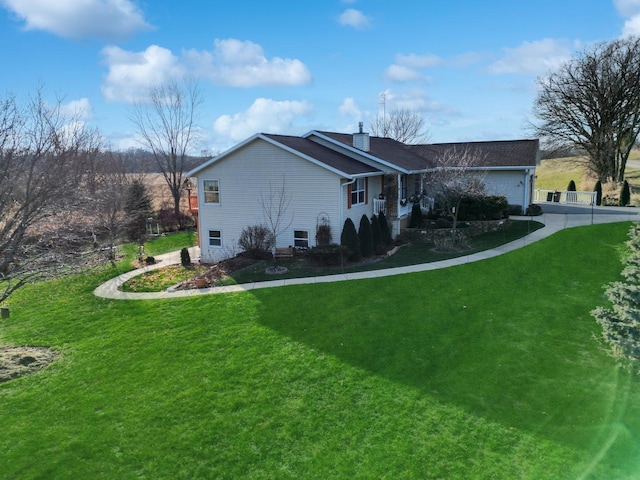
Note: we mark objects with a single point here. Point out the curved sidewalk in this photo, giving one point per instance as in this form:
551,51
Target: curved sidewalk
553,222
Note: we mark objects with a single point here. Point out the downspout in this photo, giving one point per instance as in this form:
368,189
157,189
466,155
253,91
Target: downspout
342,201
527,190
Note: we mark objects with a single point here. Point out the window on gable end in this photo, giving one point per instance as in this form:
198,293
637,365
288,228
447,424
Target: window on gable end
211,191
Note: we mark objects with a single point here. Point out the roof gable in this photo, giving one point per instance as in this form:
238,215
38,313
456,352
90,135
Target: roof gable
311,151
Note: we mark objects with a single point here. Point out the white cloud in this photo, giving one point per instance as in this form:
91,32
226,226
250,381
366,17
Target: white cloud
78,109
406,67
400,73
105,19
627,8
631,26
415,100
350,109
533,58
232,63
264,115
243,64
354,18
132,73
631,10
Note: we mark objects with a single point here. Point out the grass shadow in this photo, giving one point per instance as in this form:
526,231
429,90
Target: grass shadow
509,339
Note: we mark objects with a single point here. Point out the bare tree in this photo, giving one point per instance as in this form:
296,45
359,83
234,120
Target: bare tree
592,103
403,125
458,174
167,127
275,206
107,189
42,160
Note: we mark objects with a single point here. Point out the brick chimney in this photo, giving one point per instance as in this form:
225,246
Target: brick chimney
361,139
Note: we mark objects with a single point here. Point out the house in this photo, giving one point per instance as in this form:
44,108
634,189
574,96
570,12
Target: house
323,178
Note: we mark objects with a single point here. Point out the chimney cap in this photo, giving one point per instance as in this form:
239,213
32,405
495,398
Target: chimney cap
360,125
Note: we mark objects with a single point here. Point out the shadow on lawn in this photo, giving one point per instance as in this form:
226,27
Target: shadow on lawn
498,338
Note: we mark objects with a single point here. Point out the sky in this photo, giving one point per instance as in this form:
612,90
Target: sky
469,67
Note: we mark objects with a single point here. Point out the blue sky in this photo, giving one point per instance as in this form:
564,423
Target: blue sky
469,67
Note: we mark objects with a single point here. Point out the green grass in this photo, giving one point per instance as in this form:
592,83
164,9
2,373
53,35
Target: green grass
163,244
487,370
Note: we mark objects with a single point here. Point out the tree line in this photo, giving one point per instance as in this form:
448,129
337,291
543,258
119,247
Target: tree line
65,199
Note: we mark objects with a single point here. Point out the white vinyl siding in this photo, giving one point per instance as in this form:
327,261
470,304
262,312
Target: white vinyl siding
247,175
509,183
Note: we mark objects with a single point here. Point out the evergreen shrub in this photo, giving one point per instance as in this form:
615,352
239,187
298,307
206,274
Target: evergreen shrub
349,238
365,235
185,258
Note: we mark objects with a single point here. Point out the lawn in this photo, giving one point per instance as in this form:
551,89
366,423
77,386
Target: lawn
487,370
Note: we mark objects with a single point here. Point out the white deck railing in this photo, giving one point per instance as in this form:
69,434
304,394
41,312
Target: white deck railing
564,196
379,205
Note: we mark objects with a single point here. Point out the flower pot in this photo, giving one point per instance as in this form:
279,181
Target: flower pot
201,282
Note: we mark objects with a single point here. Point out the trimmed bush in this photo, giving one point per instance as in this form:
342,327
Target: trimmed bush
513,210
378,247
327,255
482,207
185,258
598,190
349,239
572,186
385,231
534,210
625,194
256,241
366,237
416,216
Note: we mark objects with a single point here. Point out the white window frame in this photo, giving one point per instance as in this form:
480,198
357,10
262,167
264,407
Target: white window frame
214,238
359,191
214,192
297,239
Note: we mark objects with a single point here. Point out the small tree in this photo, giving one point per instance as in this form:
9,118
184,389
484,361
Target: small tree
349,238
365,235
138,210
598,190
458,174
625,194
275,206
377,235
385,231
621,323
572,186
185,258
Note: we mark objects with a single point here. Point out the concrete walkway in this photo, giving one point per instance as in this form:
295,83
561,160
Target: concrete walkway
556,218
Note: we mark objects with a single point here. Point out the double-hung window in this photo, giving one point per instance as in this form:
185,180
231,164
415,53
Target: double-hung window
358,191
215,238
211,191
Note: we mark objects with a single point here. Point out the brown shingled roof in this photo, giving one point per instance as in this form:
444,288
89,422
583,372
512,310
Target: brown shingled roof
325,155
502,153
389,150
